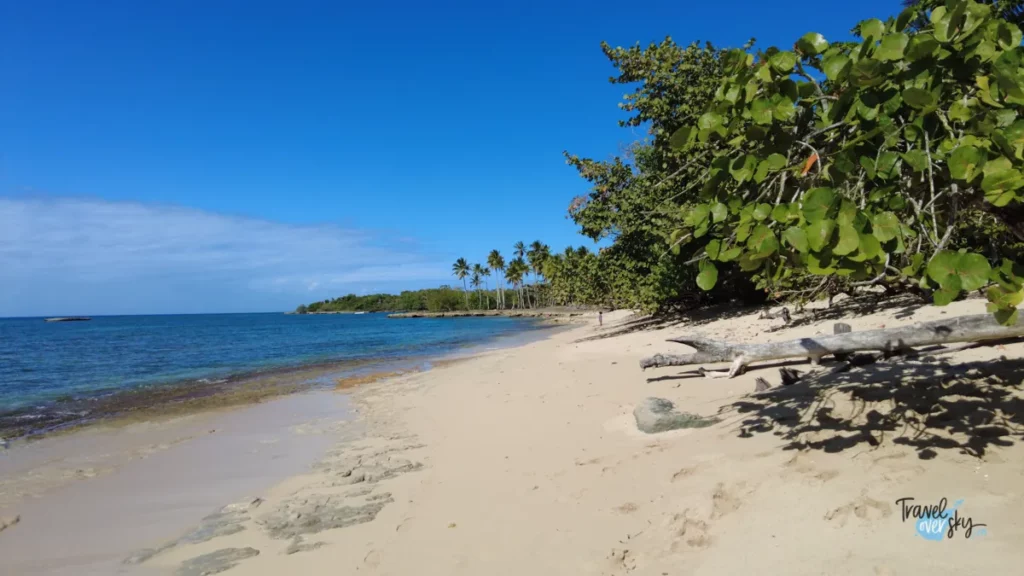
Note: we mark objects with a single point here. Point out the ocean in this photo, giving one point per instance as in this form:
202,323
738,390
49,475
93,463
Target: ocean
59,374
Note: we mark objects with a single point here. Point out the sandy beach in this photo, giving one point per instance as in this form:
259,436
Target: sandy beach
528,460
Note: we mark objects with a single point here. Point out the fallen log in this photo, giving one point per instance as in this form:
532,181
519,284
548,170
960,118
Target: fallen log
976,328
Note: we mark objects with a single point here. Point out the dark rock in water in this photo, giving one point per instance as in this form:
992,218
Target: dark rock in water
69,319
215,562
655,415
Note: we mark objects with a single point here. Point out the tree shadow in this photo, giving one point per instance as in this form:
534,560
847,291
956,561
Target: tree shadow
860,305
925,403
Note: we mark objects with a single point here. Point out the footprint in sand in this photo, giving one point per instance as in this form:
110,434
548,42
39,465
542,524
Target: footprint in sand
864,508
725,501
683,473
621,559
803,466
627,508
692,531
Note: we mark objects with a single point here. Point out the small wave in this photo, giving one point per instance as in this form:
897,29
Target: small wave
26,417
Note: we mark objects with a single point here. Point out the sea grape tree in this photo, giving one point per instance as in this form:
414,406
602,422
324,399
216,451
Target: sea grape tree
858,159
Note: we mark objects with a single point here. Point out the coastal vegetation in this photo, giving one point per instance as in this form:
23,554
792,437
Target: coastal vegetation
893,161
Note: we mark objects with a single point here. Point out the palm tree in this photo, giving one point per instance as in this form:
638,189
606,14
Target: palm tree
513,275
516,270
486,273
537,254
496,262
475,282
519,250
479,272
461,269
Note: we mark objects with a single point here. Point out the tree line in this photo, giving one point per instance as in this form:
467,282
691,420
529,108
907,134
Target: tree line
533,277
894,161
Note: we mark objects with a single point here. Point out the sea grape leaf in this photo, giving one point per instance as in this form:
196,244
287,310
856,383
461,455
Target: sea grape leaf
817,203
819,233
849,240
812,44
885,226
797,238
708,276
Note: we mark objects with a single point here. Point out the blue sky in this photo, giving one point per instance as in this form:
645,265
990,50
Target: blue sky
247,155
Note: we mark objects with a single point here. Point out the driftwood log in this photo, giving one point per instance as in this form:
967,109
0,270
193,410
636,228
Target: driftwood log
976,328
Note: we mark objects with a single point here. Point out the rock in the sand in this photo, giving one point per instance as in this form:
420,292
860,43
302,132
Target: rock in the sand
370,469
8,521
215,562
319,513
655,415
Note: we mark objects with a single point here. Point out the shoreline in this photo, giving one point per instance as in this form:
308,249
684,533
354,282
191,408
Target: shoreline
195,395
69,474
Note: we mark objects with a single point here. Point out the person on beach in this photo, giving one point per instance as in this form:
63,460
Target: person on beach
600,318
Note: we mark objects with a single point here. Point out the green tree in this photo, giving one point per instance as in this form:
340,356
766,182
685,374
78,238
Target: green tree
864,177
537,253
496,262
475,281
486,273
635,197
460,270
515,274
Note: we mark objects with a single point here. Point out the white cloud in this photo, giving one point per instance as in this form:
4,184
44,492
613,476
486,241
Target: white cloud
109,256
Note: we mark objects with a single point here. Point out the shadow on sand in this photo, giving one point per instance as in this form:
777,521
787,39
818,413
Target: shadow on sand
689,319
926,403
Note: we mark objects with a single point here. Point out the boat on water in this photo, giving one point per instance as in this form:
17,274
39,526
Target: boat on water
69,319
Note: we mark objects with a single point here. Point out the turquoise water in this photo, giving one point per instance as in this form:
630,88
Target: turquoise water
49,367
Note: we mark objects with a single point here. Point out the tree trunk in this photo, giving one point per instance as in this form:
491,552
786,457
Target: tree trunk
465,292
974,328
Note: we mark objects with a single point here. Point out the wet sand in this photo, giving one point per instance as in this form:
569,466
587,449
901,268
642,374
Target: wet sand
89,500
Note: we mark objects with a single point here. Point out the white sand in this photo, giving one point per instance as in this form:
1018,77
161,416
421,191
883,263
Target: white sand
528,461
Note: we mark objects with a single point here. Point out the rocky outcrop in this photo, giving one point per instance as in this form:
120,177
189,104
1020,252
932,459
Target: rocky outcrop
215,562
318,513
